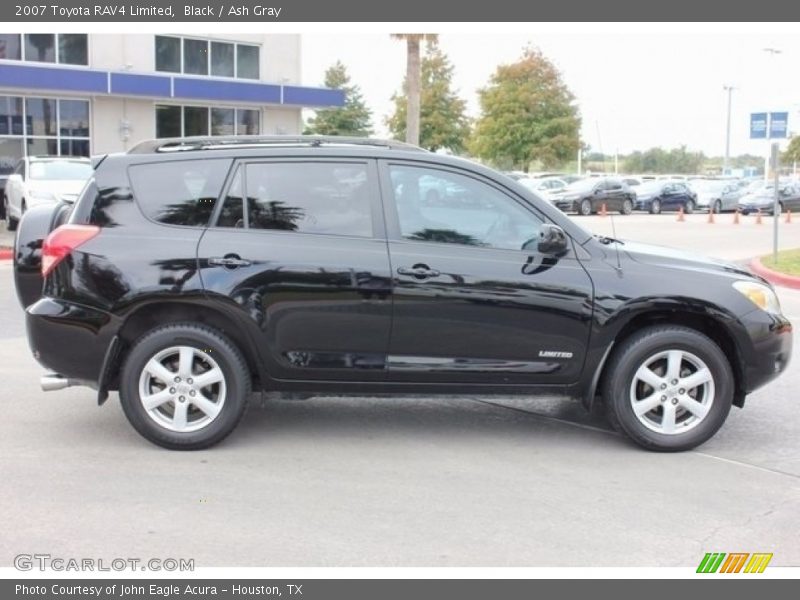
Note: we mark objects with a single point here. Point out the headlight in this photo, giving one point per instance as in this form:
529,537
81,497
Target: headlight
760,295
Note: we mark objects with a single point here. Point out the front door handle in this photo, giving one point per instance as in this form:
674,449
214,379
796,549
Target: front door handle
229,261
418,271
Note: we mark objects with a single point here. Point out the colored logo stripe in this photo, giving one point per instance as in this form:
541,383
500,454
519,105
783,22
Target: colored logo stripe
758,562
734,562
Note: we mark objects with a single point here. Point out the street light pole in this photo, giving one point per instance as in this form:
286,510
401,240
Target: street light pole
726,164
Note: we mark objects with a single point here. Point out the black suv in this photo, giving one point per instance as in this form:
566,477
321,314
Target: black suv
192,271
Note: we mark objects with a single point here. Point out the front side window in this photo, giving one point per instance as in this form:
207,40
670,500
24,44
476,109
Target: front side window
179,192
446,207
316,197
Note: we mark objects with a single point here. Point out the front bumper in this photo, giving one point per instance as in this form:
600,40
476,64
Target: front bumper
746,209
566,205
770,348
70,339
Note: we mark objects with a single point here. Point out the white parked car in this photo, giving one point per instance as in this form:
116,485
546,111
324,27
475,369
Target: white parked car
547,187
41,180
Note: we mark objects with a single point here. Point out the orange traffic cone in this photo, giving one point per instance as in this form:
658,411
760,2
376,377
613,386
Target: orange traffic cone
603,210
711,216
758,217
681,218
736,217
788,216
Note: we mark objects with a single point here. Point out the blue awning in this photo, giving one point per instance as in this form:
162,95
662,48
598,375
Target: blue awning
55,79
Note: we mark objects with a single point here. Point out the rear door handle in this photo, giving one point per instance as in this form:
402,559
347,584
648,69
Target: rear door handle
229,261
418,271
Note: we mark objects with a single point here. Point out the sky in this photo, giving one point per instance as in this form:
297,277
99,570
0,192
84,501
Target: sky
634,90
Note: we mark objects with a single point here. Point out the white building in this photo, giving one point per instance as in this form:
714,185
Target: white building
82,94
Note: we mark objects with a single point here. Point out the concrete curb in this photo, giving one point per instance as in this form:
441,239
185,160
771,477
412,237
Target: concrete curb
789,281
6,254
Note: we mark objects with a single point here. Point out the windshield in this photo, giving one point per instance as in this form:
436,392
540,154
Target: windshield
60,169
582,185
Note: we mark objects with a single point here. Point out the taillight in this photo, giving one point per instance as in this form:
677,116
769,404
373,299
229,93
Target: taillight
62,241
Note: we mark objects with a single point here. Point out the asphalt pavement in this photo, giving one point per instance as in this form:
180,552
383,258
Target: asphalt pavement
454,481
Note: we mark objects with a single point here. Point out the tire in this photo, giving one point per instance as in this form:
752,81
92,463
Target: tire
627,207
224,401
673,423
585,207
717,207
688,208
655,207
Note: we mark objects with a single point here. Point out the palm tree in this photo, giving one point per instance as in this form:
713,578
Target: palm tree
413,41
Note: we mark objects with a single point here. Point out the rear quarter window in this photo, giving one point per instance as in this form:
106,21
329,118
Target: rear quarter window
179,192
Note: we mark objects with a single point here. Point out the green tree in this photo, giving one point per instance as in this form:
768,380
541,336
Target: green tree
527,114
443,119
354,118
792,153
413,93
658,160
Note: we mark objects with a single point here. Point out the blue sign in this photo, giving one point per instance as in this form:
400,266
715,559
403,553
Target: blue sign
758,126
778,125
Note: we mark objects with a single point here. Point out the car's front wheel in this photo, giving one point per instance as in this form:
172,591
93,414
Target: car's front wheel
184,386
655,207
718,206
585,207
689,207
627,207
668,388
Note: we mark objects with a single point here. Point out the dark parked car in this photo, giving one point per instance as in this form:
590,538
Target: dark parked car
660,195
192,271
762,198
587,196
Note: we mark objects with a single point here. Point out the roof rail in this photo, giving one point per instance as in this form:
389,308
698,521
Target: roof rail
253,141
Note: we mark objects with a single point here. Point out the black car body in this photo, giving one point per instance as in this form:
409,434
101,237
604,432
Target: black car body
660,195
301,266
589,196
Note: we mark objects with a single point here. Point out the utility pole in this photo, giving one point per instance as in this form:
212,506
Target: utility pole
726,164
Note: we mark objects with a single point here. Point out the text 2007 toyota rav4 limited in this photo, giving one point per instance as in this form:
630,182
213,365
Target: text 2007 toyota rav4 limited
190,272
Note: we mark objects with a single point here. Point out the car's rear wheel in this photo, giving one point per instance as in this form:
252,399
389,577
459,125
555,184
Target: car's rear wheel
668,388
655,207
718,206
627,207
184,386
585,207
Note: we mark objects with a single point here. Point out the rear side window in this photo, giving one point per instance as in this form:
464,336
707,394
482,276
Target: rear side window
314,197
179,192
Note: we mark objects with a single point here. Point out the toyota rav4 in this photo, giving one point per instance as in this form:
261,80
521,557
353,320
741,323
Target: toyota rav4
190,272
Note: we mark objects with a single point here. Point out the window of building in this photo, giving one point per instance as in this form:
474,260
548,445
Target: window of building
194,56
10,47
247,62
62,48
180,121
222,59
42,126
309,197
179,192
168,54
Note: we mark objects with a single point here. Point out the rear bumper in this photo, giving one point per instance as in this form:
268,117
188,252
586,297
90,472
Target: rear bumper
70,339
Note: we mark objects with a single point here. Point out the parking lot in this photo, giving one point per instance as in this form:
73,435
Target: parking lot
456,481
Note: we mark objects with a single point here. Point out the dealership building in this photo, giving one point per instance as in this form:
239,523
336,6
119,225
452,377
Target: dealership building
81,94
